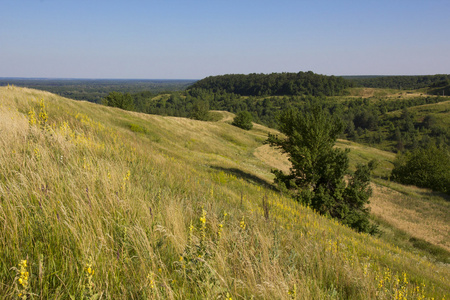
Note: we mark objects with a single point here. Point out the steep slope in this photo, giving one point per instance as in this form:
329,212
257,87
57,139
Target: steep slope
106,203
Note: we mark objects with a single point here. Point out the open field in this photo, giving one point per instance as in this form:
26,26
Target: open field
108,204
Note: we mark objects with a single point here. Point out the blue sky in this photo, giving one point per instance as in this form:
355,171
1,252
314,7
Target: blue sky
194,39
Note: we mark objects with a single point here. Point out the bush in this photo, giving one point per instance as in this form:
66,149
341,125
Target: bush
243,120
428,167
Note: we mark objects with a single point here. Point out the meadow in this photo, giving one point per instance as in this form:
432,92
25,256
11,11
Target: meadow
101,203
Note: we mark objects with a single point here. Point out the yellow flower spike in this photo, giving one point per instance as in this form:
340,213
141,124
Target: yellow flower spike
242,223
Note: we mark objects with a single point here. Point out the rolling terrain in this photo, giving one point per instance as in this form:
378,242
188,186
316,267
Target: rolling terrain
104,203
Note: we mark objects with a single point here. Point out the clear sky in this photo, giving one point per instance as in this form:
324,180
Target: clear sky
174,39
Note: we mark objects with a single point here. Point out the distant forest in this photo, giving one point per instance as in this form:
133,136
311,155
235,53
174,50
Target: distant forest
403,82
275,84
94,90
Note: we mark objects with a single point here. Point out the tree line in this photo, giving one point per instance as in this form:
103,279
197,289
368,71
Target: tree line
402,82
275,84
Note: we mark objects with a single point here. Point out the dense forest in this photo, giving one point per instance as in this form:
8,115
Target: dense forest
275,84
437,83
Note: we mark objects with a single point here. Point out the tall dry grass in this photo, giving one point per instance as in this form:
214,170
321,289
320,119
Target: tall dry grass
109,204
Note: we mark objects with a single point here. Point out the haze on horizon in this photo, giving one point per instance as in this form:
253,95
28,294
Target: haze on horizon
194,39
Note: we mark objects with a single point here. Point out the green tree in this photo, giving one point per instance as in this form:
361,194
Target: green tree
243,120
117,99
317,175
200,111
427,167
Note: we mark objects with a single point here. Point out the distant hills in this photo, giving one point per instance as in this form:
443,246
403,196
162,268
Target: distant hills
93,90
275,84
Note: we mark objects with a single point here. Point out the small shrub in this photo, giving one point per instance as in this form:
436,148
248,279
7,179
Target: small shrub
137,128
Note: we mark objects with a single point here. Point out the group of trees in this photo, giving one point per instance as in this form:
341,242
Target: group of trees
427,167
116,99
301,83
402,82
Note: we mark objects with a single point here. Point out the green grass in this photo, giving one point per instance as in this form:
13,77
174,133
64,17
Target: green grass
171,208
361,154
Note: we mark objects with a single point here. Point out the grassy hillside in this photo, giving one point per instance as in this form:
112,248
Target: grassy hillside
411,217
104,203
440,111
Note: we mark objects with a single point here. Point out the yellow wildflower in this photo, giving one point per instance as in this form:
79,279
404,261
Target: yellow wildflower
242,223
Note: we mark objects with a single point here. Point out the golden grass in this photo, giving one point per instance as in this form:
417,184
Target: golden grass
273,158
87,192
420,218
369,92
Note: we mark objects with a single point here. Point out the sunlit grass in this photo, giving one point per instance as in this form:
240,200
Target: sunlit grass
102,209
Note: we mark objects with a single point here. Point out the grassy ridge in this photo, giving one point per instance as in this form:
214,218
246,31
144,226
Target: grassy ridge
120,205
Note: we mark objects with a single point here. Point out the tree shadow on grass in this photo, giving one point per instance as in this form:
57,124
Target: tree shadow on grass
247,177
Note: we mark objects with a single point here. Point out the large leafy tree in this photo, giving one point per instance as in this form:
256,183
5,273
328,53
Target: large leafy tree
318,173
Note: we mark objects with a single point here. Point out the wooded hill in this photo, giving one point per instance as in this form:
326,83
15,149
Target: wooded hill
301,83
